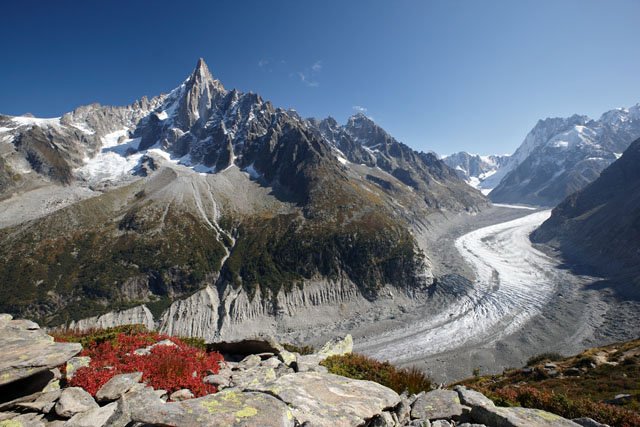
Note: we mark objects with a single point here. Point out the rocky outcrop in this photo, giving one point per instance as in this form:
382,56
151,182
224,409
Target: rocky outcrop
271,388
139,315
27,350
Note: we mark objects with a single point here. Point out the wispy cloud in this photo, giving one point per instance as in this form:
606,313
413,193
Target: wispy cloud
263,63
359,109
309,76
307,80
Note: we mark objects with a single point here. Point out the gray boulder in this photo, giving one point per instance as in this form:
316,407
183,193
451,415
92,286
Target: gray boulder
337,347
74,400
588,422
518,417
226,408
43,403
331,400
28,350
437,405
220,381
118,386
179,395
252,378
110,415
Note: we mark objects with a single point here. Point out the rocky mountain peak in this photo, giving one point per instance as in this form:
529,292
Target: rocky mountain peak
201,91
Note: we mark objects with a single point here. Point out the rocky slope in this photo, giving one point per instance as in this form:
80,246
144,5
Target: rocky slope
599,226
562,155
216,191
475,169
272,388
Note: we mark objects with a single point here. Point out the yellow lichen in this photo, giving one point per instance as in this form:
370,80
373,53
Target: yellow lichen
246,412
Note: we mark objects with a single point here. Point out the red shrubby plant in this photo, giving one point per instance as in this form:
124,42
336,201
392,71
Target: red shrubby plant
168,368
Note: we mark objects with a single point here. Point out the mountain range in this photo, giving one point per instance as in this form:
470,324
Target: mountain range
557,157
209,189
475,169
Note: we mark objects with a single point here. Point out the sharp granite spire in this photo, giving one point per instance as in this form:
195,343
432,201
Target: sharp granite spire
200,93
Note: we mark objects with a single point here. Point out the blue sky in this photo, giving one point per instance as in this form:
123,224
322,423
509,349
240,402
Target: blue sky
443,75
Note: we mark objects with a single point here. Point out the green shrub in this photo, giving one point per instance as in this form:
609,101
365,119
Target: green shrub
97,336
301,349
357,366
194,342
544,357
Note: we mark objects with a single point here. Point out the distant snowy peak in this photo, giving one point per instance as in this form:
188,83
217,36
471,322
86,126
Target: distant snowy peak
562,155
474,168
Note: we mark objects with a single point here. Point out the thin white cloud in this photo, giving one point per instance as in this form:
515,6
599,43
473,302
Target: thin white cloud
359,109
310,75
307,81
263,63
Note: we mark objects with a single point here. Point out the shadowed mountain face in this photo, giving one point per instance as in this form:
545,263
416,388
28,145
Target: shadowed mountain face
207,187
561,156
599,226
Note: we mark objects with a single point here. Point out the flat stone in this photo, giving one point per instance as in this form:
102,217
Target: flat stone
518,417
219,381
117,386
28,350
249,362
252,378
310,362
226,408
74,400
331,400
420,423
473,398
436,405
180,395
43,403
76,363
588,422
96,417
441,423
272,362
337,347
25,420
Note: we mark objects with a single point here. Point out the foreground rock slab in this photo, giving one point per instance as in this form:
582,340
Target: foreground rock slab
331,400
484,411
437,405
74,400
226,408
28,350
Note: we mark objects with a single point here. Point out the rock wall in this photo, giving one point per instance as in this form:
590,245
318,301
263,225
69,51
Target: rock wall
135,315
229,314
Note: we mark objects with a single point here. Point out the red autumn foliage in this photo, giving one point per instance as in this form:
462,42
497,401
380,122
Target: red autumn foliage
168,368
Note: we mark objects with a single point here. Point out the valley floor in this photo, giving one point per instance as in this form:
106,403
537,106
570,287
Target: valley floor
522,302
